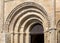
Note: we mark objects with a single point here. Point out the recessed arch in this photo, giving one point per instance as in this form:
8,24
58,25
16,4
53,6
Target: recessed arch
58,31
24,6
31,30
58,24
29,22
33,26
20,14
36,32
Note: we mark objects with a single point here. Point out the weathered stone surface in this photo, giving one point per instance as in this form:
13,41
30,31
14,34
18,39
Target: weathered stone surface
15,20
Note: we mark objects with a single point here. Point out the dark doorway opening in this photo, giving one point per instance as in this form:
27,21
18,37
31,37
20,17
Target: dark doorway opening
37,33
37,38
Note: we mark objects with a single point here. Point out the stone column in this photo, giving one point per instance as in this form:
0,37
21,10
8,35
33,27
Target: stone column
52,28
27,39
1,14
21,37
53,35
1,21
2,38
46,37
11,37
16,38
21,34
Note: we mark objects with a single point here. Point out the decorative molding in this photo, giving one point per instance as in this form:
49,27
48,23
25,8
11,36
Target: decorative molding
58,24
49,30
21,16
28,7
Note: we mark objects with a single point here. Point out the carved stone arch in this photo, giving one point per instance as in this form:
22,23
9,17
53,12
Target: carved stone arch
20,14
32,20
58,24
37,32
58,31
31,25
20,8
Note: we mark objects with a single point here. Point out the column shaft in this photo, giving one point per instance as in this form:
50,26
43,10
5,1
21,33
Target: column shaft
21,38
2,36
53,36
27,38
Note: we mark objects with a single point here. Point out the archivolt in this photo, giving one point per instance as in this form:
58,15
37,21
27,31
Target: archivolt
23,12
58,25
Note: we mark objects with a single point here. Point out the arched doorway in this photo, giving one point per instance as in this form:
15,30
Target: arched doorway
22,17
37,33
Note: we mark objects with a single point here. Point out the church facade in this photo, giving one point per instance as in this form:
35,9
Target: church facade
29,21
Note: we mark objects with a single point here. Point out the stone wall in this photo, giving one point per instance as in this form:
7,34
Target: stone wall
52,8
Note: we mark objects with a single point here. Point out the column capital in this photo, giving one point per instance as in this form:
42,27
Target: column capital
50,29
